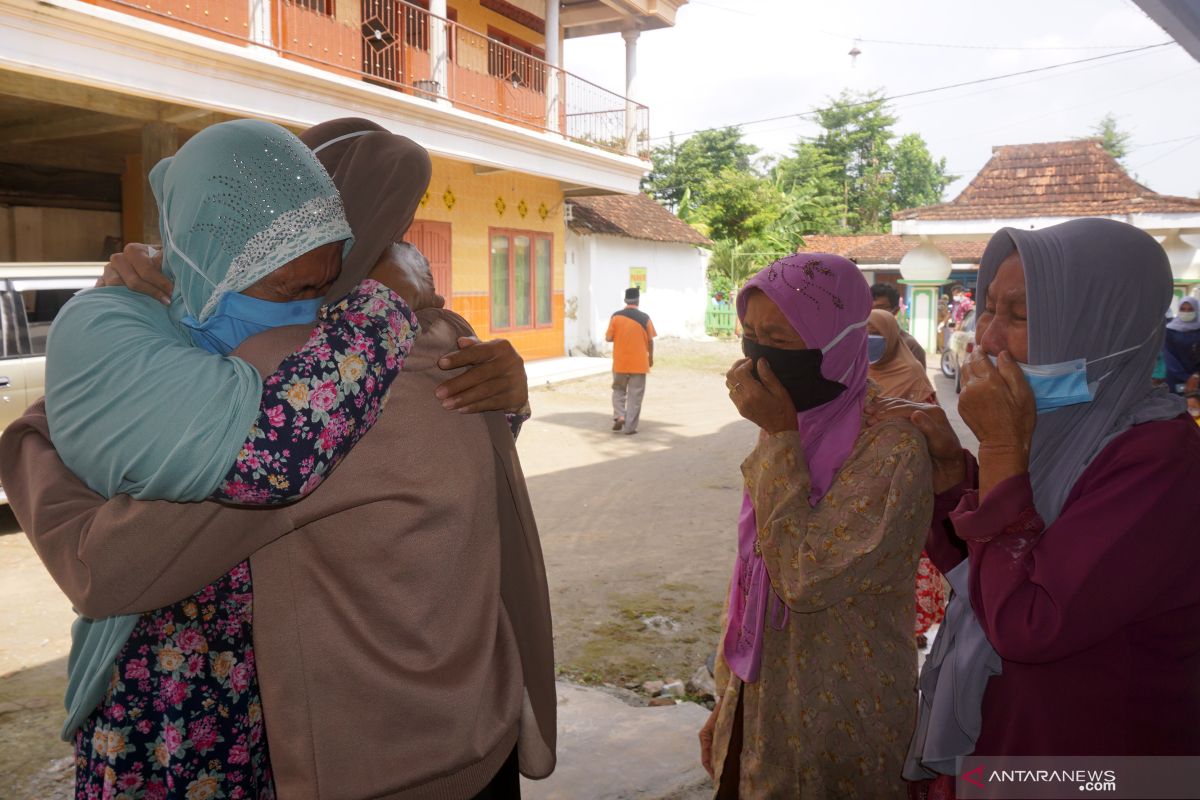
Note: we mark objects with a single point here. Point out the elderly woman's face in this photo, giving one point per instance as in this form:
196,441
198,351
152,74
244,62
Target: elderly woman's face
1003,323
766,324
303,278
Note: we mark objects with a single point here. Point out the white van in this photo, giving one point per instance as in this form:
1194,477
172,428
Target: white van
31,294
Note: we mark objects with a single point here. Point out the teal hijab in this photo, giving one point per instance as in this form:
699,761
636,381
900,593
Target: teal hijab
133,406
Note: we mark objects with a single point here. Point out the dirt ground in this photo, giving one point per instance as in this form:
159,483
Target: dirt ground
637,533
636,529
35,637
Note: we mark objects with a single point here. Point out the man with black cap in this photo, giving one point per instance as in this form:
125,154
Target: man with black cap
632,334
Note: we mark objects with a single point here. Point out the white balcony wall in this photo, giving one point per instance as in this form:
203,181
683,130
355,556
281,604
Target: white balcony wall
118,53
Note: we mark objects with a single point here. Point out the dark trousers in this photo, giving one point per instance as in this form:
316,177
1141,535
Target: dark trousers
505,784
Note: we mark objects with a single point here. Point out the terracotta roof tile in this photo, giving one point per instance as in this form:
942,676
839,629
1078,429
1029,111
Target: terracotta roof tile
886,248
636,216
1055,179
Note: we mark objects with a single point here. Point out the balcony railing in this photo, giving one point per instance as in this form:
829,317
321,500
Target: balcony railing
405,48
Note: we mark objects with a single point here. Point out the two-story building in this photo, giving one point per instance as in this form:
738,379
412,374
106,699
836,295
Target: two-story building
93,93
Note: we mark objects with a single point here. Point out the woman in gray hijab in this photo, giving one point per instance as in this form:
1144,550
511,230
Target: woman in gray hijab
1070,539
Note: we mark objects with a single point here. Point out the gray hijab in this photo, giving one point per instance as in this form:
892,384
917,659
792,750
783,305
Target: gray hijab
1072,271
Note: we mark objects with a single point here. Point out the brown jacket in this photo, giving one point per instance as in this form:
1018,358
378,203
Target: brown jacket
402,622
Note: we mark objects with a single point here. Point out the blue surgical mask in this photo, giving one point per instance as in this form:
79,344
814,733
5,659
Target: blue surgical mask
1065,383
876,345
1058,385
238,317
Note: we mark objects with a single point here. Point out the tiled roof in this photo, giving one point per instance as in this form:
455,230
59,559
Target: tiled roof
1055,179
636,216
886,248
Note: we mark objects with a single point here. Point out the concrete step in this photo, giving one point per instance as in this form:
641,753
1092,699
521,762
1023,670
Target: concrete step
609,750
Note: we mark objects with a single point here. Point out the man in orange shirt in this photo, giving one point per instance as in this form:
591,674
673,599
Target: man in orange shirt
632,334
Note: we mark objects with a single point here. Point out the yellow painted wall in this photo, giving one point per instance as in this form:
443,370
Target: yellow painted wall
469,203
348,12
476,16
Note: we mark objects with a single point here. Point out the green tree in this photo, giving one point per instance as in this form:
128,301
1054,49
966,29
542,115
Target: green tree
851,177
729,266
738,205
677,167
919,178
857,134
810,181
1114,140
846,180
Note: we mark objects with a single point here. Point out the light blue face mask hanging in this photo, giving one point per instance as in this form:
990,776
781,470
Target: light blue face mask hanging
238,317
876,347
1065,383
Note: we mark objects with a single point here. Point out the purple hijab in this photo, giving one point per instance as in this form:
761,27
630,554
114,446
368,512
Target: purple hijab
827,301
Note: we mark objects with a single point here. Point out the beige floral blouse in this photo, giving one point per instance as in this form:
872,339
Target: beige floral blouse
834,705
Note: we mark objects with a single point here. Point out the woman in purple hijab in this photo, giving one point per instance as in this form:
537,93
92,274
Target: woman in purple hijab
815,674
1071,539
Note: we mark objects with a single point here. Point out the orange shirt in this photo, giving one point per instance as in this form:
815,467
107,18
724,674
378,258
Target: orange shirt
631,341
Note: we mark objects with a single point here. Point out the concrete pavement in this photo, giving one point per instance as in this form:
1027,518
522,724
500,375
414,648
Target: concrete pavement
609,750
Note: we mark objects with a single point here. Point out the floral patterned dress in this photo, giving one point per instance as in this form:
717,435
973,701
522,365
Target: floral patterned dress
830,713
183,717
932,594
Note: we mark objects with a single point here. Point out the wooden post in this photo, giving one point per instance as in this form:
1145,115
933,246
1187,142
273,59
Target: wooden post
132,198
159,140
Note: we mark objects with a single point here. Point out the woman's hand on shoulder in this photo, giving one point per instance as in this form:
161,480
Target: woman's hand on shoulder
762,400
495,379
945,449
138,268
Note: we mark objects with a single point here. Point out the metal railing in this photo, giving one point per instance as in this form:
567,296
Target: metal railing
403,47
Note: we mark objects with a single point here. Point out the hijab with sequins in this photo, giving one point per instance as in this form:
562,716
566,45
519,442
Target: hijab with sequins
827,301
133,406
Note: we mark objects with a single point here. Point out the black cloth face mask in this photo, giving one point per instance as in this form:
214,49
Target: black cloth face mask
798,370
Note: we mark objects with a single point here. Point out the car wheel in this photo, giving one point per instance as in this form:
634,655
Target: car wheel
948,364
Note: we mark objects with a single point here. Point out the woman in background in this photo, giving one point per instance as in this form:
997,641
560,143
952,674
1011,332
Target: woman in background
1181,346
897,371
899,374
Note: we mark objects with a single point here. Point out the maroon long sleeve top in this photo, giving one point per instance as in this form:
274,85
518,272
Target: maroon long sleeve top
1097,616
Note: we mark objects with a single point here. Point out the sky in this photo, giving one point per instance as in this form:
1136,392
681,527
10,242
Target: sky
732,61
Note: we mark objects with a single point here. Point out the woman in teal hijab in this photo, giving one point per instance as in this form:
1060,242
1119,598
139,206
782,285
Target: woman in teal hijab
146,401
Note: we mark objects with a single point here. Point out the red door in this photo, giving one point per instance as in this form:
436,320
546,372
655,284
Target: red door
433,240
